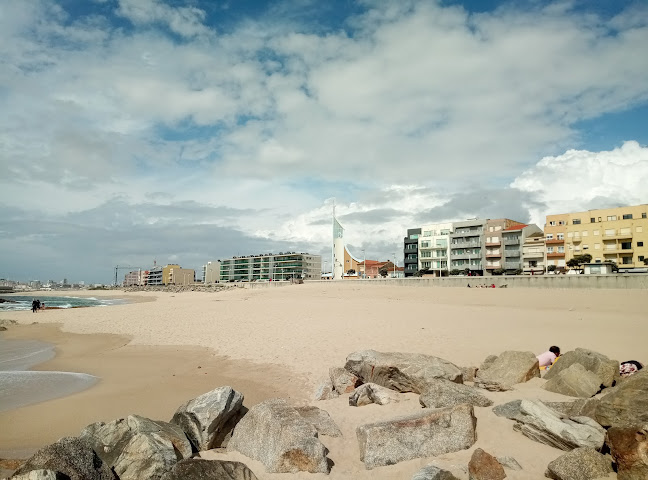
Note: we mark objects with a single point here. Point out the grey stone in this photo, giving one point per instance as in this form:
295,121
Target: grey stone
40,475
510,410
201,469
627,404
488,361
583,407
430,472
70,456
510,463
443,393
574,381
321,420
544,425
325,390
369,393
508,369
629,448
468,374
275,434
138,447
208,419
343,381
403,372
605,369
483,466
583,463
424,434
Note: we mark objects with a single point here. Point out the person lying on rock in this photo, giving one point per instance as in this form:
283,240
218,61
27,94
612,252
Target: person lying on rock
628,368
547,358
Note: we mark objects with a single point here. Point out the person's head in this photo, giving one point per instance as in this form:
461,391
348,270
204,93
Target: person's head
555,350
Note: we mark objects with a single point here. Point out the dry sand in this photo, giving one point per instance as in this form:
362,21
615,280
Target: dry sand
281,341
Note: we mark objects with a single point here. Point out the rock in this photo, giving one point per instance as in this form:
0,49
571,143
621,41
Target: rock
443,393
321,420
583,463
137,447
210,417
325,391
275,434
574,381
70,456
343,381
583,407
544,425
627,404
369,393
506,370
3,329
201,469
40,475
510,410
488,361
424,434
629,448
509,462
483,466
403,372
430,472
468,373
605,369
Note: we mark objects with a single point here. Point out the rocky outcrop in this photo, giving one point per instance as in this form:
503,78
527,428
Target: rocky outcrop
325,391
483,466
137,446
275,434
321,420
583,407
544,425
343,381
403,372
200,469
629,448
574,381
580,464
369,393
506,370
70,456
627,404
605,369
430,472
443,393
421,435
208,419
40,475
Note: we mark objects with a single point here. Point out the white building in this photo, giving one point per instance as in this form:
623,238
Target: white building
434,247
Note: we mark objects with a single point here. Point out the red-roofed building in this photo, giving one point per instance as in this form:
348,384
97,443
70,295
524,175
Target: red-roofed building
372,269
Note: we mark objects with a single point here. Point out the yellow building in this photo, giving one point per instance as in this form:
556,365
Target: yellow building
611,234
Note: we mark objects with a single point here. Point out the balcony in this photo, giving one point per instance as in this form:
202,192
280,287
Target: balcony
465,256
556,255
512,265
511,241
617,236
494,244
555,241
533,254
618,250
471,244
493,254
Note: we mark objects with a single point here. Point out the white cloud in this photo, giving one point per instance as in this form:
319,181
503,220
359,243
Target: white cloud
185,21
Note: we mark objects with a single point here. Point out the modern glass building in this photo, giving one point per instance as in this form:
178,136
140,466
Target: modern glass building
270,266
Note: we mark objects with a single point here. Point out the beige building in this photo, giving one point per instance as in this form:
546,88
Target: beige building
617,234
534,254
494,254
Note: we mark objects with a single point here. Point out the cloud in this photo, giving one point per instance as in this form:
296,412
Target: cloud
184,21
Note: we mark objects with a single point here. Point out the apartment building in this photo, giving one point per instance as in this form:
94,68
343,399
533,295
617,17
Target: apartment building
268,266
494,253
513,239
467,246
434,247
534,259
172,274
211,272
410,251
617,234
136,277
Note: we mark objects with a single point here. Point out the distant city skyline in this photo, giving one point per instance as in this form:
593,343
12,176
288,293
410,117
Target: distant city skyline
193,130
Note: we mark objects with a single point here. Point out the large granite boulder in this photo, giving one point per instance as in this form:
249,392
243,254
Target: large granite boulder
510,410
627,404
321,420
209,418
403,372
325,390
40,474
483,466
629,448
431,472
583,463
200,469
443,393
583,407
275,434
506,370
544,425
369,393
424,434
137,447
70,456
605,369
343,381
574,381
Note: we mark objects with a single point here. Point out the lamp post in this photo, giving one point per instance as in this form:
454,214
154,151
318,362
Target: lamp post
364,263
394,266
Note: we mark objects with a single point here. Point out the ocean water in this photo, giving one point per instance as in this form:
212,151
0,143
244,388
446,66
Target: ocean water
24,302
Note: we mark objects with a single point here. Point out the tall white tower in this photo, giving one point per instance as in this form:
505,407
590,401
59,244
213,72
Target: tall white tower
338,249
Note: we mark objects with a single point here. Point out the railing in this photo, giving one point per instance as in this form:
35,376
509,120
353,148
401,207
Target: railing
512,265
511,241
464,244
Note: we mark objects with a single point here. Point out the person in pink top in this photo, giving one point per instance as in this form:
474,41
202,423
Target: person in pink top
547,358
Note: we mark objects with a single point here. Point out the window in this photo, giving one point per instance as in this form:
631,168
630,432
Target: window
641,258
599,219
609,232
611,218
414,236
561,249
412,256
626,245
585,247
643,215
597,246
640,244
561,222
561,236
597,232
584,233
550,236
592,220
570,234
550,249
627,260
426,254
426,264
627,216
639,229
576,221
490,229
427,233
552,223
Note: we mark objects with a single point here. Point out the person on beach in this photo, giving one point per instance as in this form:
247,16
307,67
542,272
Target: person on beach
35,305
630,367
547,358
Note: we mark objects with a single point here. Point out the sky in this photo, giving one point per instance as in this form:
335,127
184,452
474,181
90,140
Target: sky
187,131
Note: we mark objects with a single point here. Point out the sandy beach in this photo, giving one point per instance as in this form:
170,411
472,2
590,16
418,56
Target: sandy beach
162,349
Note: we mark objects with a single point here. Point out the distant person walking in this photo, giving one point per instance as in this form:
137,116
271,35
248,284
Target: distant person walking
35,305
